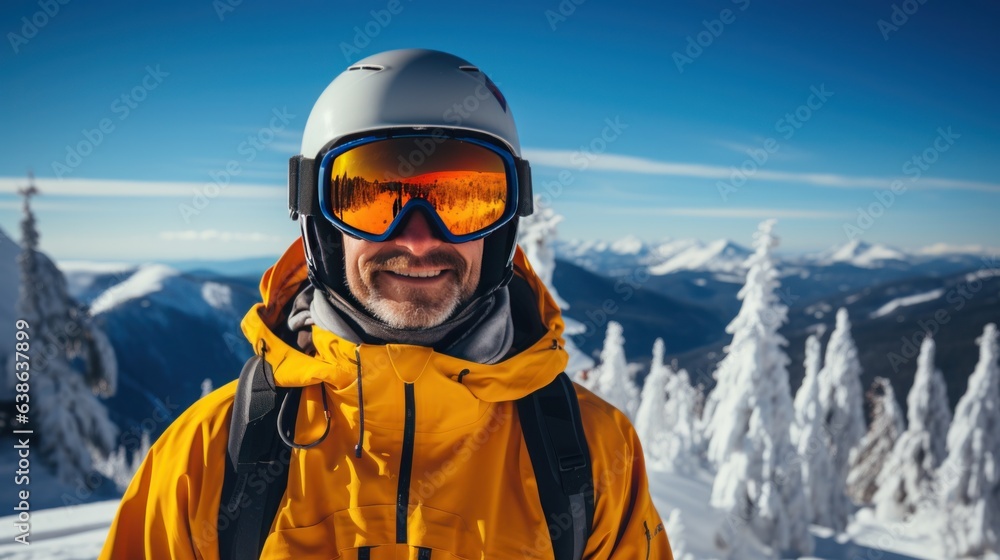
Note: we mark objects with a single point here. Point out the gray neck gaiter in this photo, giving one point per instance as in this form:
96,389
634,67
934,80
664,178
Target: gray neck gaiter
482,332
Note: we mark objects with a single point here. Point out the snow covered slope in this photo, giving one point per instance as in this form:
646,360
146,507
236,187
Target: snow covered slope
78,532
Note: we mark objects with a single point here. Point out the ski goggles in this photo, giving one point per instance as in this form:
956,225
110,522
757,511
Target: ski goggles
466,185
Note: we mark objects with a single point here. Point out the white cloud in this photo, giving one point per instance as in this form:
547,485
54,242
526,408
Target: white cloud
39,206
949,249
216,235
719,212
631,164
285,147
127,188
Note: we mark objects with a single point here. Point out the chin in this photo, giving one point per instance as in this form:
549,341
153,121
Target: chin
411,316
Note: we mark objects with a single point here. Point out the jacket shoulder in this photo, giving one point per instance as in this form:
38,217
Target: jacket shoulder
172,504
603,421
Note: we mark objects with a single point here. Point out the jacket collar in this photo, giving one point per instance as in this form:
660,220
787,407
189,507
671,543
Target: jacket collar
336,360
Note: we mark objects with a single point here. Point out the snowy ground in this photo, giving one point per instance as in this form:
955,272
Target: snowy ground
78,532
865,538
67,533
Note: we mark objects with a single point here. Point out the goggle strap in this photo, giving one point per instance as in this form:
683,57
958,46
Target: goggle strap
303,198
525,196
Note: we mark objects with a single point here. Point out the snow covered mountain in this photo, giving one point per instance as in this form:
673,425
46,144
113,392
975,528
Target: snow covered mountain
603,257
170,330
659,258
721,255
860,254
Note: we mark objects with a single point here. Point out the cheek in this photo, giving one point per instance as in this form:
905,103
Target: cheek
352,257
472,254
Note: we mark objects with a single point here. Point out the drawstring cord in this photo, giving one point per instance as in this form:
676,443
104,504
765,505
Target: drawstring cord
288,438
361,409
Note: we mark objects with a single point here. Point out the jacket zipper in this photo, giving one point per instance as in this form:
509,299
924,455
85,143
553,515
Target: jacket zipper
649,539
405,466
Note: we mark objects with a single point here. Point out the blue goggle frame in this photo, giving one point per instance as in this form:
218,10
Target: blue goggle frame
517,171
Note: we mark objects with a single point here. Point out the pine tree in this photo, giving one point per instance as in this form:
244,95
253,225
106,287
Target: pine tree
749,428
906,482
681,452
118,468
969,478
843,410
613,382
650,419
676,530
812,443
870,456
71,361
536,235
206,387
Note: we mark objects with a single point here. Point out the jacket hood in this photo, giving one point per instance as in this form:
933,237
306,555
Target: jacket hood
337,360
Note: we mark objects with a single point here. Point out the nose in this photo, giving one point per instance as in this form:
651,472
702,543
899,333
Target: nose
416,236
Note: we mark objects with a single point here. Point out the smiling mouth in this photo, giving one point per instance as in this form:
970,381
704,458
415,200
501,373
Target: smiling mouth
417,274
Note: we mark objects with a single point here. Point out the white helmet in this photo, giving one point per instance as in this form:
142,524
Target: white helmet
408,88
402,89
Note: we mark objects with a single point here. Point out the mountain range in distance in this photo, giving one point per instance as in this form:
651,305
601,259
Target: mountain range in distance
893,297
177,323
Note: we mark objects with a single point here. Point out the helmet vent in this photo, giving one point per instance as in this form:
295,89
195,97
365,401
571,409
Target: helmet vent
466,68
374,67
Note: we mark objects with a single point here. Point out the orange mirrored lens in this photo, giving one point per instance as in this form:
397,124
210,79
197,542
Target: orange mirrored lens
370,184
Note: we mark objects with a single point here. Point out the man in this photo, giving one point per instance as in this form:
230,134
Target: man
424,355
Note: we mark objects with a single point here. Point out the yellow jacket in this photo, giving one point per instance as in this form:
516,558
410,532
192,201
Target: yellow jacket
472,492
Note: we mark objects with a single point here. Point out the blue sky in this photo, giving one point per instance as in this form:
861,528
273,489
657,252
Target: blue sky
822,107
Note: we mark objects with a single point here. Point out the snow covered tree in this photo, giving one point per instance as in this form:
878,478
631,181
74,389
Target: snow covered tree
206,387
676,530
749,427
906,482
843,410
71,360
870,456
810,439
117,467
536,235
650,419
665,420
969,478
612,381
681,450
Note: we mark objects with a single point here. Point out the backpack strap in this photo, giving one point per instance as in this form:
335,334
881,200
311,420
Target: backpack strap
550,422
553,433
255,451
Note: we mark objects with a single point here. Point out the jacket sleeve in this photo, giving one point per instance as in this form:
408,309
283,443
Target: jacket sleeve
170,509
626,524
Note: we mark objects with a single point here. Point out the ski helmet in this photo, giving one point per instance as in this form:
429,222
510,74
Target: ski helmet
398,91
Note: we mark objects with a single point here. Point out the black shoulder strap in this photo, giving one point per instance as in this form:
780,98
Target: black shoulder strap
254,451
553,433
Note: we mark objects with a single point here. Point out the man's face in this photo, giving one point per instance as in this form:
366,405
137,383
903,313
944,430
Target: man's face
414,280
